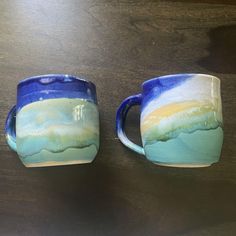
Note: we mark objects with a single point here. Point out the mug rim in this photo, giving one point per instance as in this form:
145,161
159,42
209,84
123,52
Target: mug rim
70,78
41,87
179,74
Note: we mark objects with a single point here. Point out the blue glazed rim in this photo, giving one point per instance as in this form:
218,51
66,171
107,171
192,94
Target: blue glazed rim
52,77
156,86
41,87
181,77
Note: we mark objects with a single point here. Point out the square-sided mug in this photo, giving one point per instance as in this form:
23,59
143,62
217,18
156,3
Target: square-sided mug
181,120
54,122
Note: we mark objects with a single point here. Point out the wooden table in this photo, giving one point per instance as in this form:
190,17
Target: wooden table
118,45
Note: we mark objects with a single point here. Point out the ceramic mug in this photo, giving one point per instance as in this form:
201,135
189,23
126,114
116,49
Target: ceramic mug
54,122
181,120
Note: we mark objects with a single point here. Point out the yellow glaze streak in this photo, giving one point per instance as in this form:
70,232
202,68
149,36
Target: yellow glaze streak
192,108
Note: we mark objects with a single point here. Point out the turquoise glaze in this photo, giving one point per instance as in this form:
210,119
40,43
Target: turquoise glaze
56,130
181,120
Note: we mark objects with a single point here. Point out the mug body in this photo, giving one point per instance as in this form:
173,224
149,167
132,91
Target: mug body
181,120
57,121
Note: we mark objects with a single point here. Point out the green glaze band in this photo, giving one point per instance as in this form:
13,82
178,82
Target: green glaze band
181,120
182,126
57,132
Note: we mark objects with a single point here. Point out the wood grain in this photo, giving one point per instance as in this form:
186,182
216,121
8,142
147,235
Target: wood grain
118,45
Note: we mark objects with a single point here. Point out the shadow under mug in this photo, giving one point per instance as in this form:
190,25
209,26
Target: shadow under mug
54,122
181,120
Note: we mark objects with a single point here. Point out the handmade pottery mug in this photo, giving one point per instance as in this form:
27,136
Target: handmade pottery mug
54,122
181,120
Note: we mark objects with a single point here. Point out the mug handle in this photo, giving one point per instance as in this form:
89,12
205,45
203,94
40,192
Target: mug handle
121,118
10,128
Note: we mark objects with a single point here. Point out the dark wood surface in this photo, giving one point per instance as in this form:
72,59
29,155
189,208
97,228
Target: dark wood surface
118,45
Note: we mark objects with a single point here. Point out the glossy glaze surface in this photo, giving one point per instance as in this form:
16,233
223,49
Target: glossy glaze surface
57,131
181,120
118,45
41,87
55,121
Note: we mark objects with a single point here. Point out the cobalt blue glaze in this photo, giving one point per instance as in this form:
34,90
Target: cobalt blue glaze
120,121
157,86
42,87
54,122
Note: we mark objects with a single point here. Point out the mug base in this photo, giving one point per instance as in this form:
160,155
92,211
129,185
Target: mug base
55,163
182,165
70,156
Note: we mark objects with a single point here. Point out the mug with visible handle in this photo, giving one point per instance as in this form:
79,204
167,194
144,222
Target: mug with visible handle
181,120
54,122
